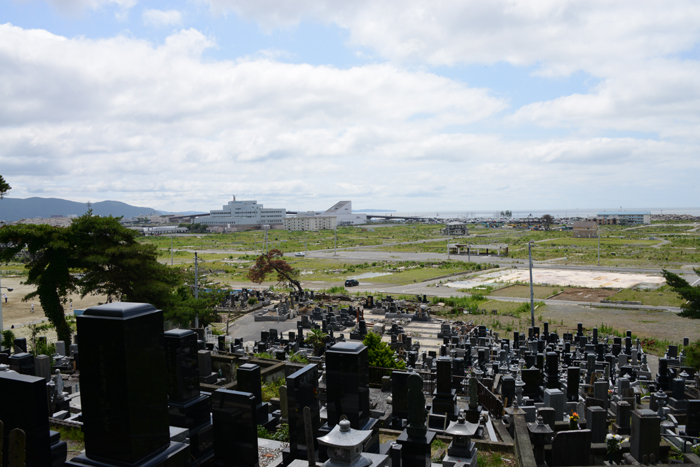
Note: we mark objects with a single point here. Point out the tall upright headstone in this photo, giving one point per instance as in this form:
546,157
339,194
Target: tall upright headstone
124,387
347,391
416,440
399,398
302,391
187,408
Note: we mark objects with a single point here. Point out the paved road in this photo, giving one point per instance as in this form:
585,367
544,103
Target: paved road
247,328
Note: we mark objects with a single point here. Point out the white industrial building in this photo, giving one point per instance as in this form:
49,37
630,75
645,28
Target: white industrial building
313,222
342,211
237,215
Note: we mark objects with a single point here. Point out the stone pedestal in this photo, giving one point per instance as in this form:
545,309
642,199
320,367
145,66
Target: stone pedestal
415,451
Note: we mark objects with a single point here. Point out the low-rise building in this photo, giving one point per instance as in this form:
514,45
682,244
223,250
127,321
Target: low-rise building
455,228
310,223
585,229
626,217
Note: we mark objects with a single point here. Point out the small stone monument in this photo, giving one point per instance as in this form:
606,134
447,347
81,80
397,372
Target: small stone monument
345,446
462,449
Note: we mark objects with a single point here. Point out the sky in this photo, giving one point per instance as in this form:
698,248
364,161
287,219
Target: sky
452,105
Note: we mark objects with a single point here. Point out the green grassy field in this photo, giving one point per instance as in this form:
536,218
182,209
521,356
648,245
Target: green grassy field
660,297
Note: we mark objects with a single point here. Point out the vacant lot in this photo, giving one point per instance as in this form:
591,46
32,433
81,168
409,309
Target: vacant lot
523,291
580,294
18,313
564,318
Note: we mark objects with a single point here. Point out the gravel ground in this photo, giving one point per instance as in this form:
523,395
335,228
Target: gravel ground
269,452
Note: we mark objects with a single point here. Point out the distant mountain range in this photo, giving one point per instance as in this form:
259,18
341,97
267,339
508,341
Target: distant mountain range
14,209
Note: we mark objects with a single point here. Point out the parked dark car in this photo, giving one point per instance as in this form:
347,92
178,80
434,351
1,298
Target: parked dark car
351,283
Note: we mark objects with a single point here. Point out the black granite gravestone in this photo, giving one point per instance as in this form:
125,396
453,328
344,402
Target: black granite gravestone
29,412
186,407
348,384
302,391
182,364
235,428
22,363
692,426
124,387
571,448
399,396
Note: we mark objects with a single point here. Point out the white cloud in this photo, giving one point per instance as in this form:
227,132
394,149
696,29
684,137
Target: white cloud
160,18
77,7
560,36
160,126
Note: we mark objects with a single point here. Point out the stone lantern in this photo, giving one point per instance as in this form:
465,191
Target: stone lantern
462,448
519,388
539,432
661,399
345,446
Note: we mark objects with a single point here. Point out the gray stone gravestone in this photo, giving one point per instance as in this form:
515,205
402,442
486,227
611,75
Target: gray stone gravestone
622,420
42,367
596,422
555,399
645,434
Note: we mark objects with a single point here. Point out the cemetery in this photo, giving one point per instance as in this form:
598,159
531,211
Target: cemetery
451,392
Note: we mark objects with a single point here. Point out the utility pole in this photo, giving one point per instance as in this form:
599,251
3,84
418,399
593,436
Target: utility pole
306,248
335,246
196,290
598,235
532,295
171,249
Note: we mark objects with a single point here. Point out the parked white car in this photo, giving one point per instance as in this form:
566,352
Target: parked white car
300,253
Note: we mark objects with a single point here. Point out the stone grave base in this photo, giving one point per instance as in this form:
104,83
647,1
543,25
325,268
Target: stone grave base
415,452
175,455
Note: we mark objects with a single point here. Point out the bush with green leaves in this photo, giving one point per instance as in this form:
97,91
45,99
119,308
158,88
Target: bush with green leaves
8,339
380,354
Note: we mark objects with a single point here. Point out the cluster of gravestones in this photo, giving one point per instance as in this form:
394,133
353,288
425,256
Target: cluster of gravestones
239,298
19,360
276,344
142,404
333,318
392,309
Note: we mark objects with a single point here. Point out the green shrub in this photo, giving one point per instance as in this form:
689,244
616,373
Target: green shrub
8,338
380,354
271,389
282,433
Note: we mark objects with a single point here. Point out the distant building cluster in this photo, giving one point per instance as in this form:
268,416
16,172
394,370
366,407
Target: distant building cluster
338,214
243,215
